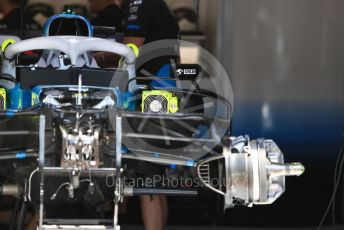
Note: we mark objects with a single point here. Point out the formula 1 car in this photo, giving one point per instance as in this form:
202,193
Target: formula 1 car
73,134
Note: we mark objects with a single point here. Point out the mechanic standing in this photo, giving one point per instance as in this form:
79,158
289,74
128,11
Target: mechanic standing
149,21
12,16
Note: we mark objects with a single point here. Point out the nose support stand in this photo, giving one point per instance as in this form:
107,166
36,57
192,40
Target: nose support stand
44,171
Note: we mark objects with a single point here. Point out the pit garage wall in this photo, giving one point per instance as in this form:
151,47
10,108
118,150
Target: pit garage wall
286,62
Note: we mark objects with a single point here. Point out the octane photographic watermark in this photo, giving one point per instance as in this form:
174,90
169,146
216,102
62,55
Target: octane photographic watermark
163,181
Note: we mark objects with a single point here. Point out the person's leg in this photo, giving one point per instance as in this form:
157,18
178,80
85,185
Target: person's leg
154,212
165,207
33,223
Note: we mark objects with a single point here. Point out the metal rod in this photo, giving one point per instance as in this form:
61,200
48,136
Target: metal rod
18,132
169,138
79,97
18,156
56,171
41,168
117,195
159,191
118,144
160,160
177,116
